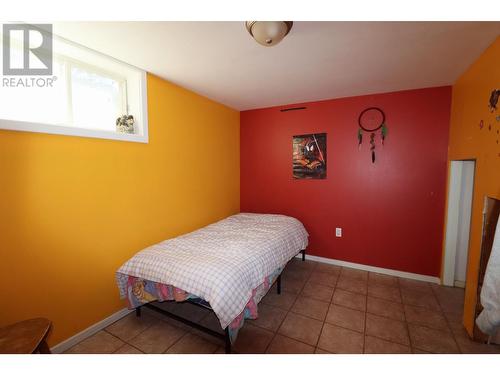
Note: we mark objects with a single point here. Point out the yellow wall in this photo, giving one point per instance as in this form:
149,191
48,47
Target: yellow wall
72,209
467,141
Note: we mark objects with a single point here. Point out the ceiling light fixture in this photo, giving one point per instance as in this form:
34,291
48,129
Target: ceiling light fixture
268,33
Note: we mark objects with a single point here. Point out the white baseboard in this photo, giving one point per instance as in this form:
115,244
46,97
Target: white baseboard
459,284
80,336
364,267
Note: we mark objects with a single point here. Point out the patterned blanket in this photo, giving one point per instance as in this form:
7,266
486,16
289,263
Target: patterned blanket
140,291
221,263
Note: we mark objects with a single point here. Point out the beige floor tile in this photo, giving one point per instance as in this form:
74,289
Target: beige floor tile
296,274
321,351
455,322
443,292
192,344
385,292
419,351
270,317
467,346
284,300
100,343
311,308
329,268
415,298
380,279
454,317
352,285
348,299
301,328
252,340
157,338
425,317
317,291
128,349
292,285
385,308
286,345
460,333
432,340
130,326
177,324
347,318
450,299
374,345
340,340
352,273
419,286
308,291
210,338
387,329
324,278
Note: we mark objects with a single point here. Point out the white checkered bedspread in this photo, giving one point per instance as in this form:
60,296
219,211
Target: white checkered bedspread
222,262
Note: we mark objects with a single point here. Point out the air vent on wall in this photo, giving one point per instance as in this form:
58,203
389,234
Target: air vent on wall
292,109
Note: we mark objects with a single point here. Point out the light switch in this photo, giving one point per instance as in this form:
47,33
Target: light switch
338,232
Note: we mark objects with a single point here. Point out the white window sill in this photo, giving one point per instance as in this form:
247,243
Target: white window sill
66,130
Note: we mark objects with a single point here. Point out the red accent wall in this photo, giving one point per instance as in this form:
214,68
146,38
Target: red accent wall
391,212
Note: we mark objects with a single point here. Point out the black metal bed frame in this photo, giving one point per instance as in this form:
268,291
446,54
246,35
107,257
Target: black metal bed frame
224,336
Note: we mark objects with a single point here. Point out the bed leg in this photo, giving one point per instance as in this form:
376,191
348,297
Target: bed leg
138,311
227,341
278,284
303,255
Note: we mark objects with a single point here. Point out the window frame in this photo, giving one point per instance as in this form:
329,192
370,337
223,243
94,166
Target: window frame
67,128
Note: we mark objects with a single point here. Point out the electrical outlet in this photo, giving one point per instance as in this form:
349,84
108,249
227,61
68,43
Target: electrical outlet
338,232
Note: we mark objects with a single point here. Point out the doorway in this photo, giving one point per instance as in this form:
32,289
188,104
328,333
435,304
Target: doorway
460,192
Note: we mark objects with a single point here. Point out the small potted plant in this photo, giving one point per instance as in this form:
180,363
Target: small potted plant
125,124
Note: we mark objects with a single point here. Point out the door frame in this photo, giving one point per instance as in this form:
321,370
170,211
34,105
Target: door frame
452,219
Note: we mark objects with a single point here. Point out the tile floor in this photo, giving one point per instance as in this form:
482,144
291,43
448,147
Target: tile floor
322,309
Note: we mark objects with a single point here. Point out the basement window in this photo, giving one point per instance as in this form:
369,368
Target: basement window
85,95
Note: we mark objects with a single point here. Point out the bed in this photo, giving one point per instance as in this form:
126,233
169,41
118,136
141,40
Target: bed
227,267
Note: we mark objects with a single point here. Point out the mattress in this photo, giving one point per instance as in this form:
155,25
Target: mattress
221,263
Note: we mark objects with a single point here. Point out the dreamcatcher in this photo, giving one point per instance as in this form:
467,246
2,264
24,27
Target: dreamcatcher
371,120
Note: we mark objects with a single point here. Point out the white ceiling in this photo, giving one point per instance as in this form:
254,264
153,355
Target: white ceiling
317,60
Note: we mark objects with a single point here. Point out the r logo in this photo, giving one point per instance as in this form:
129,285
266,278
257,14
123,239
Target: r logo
36,49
